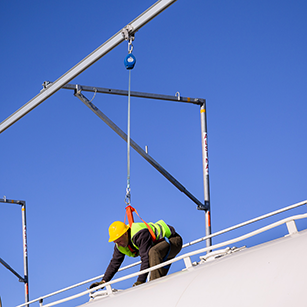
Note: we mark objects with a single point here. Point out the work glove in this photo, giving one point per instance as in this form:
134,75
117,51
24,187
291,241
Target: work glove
96,284
137,283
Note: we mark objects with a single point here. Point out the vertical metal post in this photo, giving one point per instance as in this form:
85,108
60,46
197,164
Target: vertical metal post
25,251
24,279
204,142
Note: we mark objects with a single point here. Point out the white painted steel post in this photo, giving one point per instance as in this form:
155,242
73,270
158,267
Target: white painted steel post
25,251
204,142
24,279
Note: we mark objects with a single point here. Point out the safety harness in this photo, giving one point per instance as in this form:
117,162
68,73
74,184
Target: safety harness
129,215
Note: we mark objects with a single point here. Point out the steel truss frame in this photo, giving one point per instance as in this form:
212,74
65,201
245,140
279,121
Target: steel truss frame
198,101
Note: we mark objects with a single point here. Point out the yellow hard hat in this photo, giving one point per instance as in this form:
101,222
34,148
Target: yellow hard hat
116,230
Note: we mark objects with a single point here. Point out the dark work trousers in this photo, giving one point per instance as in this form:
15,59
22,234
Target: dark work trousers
159,251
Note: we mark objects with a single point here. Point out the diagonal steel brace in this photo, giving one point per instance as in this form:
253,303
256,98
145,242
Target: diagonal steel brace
137,148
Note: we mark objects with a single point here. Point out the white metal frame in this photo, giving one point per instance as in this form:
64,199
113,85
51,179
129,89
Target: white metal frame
291,227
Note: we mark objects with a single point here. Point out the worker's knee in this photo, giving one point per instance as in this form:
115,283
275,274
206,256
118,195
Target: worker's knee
154,256
158,252
176,241
176,245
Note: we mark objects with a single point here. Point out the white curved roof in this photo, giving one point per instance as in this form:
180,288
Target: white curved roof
270,274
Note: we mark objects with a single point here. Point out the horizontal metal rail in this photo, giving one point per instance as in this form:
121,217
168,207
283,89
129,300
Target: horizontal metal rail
262,217
175,98
187,256
41,298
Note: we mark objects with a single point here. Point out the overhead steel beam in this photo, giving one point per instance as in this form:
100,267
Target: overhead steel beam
138,149
175,98
110,44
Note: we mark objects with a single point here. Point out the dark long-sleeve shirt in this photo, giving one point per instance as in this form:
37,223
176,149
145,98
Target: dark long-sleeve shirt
143,241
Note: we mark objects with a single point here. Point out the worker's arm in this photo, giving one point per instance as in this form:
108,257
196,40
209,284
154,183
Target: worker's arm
113,267
114,264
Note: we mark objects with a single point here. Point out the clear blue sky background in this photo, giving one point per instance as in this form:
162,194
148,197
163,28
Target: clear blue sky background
247,58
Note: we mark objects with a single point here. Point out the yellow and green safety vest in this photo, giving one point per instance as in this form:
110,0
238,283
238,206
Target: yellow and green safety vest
160,229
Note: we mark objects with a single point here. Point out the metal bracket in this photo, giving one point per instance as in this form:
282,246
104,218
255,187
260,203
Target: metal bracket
78,89
127,33
24,280
204,207
128,36
291,227
45,85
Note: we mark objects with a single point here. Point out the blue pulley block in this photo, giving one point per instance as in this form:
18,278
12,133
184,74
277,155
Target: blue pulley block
130,61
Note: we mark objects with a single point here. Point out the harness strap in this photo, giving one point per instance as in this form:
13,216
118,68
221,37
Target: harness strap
132,250
153,236
169,249
129,211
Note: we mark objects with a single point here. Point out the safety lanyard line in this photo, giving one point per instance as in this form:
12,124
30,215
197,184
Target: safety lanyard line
128,141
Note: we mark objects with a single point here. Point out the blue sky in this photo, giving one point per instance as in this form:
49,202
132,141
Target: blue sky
246,58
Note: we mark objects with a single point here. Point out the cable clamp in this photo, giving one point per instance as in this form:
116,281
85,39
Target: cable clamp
45,85
128,196
127,32
128,36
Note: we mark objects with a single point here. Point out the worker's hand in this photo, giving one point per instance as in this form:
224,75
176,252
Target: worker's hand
96,284
137,283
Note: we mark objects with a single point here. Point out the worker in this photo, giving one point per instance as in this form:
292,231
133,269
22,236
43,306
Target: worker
138,241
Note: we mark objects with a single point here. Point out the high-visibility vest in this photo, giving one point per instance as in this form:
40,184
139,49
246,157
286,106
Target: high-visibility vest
160,229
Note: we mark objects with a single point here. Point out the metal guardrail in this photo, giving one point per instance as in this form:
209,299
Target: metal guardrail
262,217
290,223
